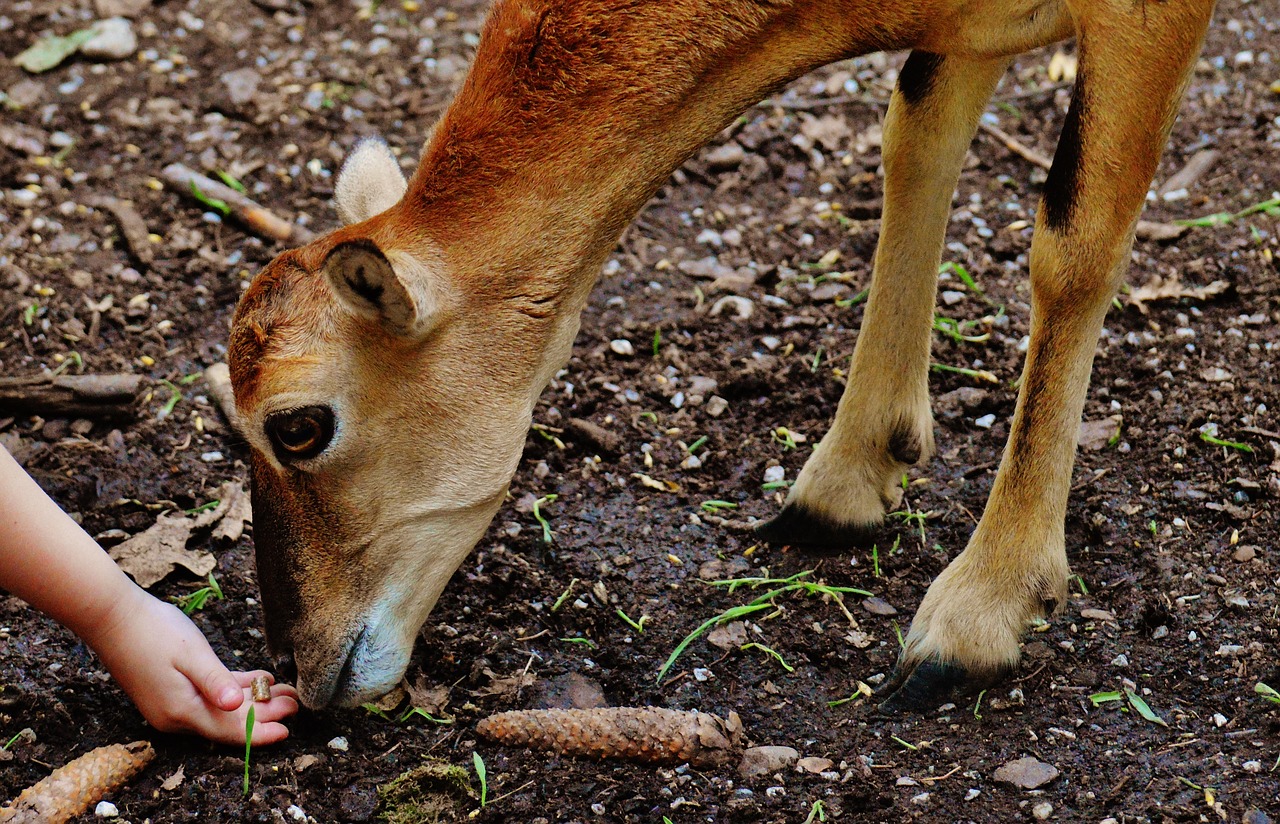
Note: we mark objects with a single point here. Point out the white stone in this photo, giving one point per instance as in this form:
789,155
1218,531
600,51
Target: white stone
774,474
623,347
986,421
115,40
1042,811
340,744
106,809
296,813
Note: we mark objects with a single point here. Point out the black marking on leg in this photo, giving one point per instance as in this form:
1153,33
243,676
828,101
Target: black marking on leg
904,444
919,75
798,525
932,683
1062,186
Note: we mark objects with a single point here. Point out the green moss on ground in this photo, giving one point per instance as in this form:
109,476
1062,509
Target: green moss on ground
436,792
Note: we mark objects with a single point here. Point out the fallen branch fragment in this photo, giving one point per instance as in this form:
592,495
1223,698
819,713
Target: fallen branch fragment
1016,146
645,734
1159,232
99,397
254,217
132,227
73,788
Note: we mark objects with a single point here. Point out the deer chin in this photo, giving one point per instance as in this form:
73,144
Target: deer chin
367,663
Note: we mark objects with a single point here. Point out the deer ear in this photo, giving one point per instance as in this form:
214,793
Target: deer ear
394,289
370,182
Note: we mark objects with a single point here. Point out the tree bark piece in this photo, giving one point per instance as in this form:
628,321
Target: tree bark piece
132,227
253,216
98,397
645,734
73,788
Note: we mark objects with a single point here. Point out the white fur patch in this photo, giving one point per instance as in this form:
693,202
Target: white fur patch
370,182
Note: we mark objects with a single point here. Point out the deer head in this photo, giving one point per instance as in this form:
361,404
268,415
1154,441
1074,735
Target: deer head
385,374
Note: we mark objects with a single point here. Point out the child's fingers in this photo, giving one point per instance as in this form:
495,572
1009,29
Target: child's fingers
214,681
271,732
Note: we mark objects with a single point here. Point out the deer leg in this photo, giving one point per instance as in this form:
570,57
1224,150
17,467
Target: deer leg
1135,60
883,423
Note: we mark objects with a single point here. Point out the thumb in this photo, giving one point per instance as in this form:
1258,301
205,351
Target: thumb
212,679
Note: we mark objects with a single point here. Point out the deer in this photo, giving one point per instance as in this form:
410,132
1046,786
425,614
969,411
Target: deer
385,374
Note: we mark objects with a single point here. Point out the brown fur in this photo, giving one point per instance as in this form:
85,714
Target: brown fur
574,112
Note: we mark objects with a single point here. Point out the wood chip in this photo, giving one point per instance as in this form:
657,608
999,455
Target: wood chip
645,734
72,789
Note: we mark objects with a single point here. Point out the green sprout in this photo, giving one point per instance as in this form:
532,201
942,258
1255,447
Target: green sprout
770,651
196,601
657,340
483,775
693,447
538,516
564,596
210,203
29,313
1209,438
778,587
976,374
955,329
906,744
1271,208
248,745
714,506
817,359
231,182
175,395
875,560
1269,693
638,626
784,436
845,303
818,812
580,640
772,485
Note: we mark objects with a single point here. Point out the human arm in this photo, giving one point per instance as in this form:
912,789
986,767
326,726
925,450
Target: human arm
155,653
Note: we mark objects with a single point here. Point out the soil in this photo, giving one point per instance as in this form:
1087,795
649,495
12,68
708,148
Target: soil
1172,536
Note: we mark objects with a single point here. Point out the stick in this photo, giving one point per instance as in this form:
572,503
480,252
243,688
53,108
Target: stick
254,217
132,227
1017,147
101,397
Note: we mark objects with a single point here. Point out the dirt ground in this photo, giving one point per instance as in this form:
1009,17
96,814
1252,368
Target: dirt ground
1172,536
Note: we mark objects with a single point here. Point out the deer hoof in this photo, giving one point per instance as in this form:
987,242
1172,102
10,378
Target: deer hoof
797,525
921,686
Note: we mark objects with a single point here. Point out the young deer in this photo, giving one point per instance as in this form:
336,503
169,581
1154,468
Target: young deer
386,373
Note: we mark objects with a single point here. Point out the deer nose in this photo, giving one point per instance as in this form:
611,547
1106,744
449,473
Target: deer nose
286,667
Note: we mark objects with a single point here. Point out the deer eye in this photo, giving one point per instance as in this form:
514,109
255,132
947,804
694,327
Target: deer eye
299,434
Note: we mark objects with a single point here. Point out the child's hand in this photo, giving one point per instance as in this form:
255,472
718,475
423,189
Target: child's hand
164,663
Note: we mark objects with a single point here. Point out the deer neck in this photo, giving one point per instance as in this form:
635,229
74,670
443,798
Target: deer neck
576,111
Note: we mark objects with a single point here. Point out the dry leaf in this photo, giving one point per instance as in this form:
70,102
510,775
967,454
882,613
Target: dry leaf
831,132
1099,434
1160,289
729,636
1097,614
151,555
431,699
510,686
235,504
174,781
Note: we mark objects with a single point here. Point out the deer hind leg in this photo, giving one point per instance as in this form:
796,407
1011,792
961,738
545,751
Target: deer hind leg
883,423
1135,60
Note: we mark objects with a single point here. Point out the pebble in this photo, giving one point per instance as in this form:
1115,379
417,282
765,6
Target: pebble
879,606
1245,553
758,761
296,813
774,474
1219,720
1042,811
211,457
951,298
741,307
728,156
623,347
716,406
986,421
1027,773
921,799
106,809
340,744
242,85
973,793
115,40
1252,766
1255,816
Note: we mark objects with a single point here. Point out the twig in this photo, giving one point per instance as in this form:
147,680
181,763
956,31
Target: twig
218,380
103,397
132,227
254,217
1016,146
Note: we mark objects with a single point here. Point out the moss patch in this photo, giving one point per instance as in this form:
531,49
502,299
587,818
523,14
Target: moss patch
435,792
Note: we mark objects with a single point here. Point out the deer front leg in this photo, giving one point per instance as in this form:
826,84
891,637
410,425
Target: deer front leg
883,423
1134,63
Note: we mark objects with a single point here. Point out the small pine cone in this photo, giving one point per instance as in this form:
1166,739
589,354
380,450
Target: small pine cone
73,788
645,734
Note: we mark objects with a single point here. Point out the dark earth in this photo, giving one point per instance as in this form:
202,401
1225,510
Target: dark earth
1172,536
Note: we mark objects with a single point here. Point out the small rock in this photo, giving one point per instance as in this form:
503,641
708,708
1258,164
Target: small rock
774,474
1027,773
723,158
716,406
973,793
242,85
106,809
340,744
623,347
921,799
115,40
120,8
729,636
741,307
879,606
1252,766
1255,817
296,813
1244,553
1219,720
815,765
951,298
985,422
1042,811
1120,660
758,761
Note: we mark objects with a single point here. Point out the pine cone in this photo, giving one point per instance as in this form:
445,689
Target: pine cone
72,788
645,734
